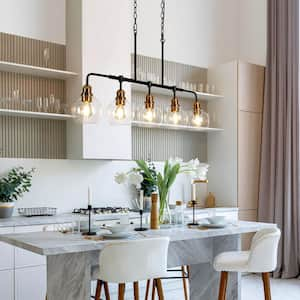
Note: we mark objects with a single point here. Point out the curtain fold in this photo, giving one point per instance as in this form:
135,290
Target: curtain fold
279,178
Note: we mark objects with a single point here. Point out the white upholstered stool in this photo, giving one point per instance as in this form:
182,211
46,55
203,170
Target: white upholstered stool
133,261
261,258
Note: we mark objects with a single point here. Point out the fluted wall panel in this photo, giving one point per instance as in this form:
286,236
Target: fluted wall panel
160,144
22,137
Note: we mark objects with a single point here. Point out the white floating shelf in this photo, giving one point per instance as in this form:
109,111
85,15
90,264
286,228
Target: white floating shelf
35,71
159,91
174,127
33,114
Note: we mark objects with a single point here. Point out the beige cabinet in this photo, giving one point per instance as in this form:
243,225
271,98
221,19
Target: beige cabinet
250,104
249,141
234,156
250,87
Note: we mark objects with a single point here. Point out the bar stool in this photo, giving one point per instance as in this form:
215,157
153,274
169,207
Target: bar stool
133,261
185,275
261,258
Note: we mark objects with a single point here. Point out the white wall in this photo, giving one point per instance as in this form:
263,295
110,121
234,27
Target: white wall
64,183
198,32
37,19
253,31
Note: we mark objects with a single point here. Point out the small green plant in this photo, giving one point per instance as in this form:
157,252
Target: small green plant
15,184
147,185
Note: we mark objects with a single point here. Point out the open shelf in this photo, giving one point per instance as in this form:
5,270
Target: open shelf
174,127
33,114
158,91
35,71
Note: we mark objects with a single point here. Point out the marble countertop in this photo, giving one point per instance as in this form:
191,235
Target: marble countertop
53,243
68,217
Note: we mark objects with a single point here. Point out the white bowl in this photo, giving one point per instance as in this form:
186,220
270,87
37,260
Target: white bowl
118,228
216,220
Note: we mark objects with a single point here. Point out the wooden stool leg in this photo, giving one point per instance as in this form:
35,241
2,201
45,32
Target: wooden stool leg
184,282
121,291
223,285
106,290
159,289
267,289
136,290
98,289
153,289
188,270
147,289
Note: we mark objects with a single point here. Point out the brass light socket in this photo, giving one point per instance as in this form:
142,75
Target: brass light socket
120,98
197,108
149,102
86,94
175,105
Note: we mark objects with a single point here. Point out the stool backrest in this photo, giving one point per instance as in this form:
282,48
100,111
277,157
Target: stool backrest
134,260
263,251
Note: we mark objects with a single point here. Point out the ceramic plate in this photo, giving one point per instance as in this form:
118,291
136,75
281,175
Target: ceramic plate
214,225
119,235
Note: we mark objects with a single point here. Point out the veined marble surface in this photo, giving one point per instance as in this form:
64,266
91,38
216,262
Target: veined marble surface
54,243
69,217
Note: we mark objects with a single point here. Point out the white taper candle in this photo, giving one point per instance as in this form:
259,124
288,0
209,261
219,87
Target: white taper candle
89,195
141,199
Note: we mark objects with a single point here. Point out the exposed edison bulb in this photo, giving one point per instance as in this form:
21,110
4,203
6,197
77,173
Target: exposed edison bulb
175,117
119,113
86,109
197,120
149,115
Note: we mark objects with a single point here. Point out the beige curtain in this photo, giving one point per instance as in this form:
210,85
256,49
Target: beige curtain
279,181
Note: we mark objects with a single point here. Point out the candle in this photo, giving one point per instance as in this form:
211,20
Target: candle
89,195
193,191
141,199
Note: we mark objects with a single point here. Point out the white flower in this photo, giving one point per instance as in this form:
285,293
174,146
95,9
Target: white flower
136,179
193,164
201,172
120,178
174,161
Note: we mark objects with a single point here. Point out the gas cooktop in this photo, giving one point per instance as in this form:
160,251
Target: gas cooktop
102,210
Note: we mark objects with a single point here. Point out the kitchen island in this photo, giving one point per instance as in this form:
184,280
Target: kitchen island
72,259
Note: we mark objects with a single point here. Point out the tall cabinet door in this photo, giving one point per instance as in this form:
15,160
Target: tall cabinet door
249,136
250,107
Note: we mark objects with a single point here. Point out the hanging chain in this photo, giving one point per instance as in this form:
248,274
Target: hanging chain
162,17
135,17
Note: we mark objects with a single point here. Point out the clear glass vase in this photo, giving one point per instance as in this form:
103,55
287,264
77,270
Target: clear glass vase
164,210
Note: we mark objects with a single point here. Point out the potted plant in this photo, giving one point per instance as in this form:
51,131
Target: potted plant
12,187
146,174
148,186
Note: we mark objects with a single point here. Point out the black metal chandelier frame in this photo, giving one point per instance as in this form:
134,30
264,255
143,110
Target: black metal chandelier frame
149,84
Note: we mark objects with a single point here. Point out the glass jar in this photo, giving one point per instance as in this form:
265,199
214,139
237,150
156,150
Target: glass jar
179,213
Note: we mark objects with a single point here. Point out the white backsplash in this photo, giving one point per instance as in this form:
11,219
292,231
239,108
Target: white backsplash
64,183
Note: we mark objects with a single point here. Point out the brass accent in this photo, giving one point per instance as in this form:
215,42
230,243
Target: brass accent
149,102
200,181
87,95
179,202
197,108
120,98
175,105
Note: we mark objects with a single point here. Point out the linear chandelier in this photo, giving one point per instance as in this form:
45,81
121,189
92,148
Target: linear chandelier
86,109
